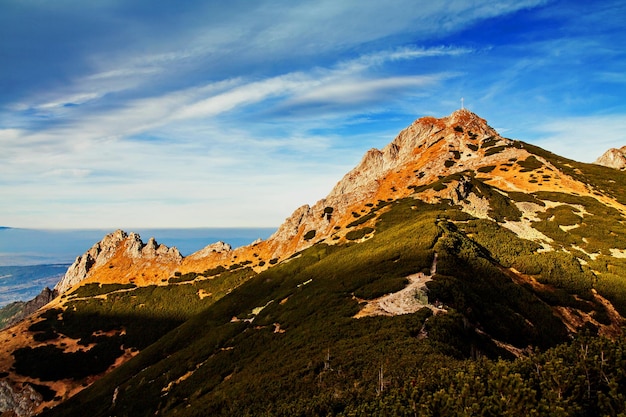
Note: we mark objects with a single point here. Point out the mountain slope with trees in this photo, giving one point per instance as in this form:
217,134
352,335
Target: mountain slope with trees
515,259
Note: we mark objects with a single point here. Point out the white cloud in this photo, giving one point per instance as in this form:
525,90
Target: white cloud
583,138
359,90
192,121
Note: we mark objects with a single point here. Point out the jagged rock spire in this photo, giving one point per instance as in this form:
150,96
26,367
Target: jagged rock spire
103,251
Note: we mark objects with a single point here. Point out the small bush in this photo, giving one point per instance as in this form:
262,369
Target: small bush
530,164
381,287
214,271
359,233
190,276
489,142
494,150
486,169
439,186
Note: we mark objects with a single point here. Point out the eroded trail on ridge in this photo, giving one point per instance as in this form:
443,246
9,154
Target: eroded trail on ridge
408,300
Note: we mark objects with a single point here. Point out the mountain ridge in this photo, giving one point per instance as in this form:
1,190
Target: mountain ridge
526,245
421,145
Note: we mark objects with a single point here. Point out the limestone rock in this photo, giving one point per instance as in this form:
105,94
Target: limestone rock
97,255
20,401
103,251
613,158
217,247
458,137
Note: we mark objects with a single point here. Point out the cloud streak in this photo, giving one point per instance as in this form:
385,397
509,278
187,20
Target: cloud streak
181,114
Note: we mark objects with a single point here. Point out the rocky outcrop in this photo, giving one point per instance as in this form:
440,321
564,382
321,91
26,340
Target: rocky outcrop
217,247
428,145
20,401
20,309
613,158
415,139
136,249
103,251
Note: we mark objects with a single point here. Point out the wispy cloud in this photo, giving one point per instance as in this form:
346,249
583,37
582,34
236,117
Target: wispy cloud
583,138
347,82
115,112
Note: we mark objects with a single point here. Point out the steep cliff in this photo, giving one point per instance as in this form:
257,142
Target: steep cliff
21,309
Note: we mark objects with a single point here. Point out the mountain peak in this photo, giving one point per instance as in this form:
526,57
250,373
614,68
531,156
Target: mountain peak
613,158
467,119
427,139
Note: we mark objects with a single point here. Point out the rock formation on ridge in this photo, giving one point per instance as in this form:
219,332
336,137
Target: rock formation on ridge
23,309
613,158
116,243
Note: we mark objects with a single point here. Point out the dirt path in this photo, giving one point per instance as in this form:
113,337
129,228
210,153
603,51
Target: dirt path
408,300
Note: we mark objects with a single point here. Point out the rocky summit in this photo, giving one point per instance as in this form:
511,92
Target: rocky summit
613,158
452,268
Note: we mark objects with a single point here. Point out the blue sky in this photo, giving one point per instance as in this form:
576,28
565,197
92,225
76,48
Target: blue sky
136,113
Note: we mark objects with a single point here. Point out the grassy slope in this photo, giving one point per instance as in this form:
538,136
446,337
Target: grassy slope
304,354
323,361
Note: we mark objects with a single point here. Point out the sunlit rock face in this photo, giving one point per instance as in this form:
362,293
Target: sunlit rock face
116,243
613,158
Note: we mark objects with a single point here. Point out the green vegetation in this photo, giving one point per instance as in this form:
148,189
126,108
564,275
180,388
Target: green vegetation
363,219
325,362
49,363
190,276
214,271
494,150
524,197
137,317
560,269
95,289
530,164
380,287
501,208
285,342
309,235
598,232
603,179
582,378
359,233
610,281
489,142
9,311
486,169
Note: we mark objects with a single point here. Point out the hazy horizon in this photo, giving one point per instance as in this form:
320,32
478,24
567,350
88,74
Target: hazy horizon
25,247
